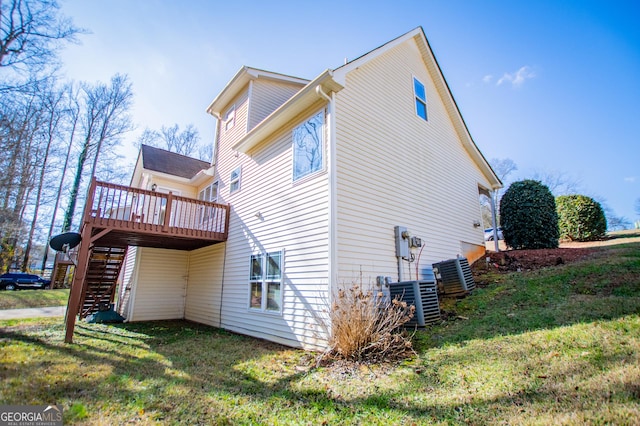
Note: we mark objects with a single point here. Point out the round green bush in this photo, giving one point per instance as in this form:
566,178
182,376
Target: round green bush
580,218
528,216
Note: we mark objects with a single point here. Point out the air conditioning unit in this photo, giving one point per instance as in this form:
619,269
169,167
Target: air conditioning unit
423,295
455,276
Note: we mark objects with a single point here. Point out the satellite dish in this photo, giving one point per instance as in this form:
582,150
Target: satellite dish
66,241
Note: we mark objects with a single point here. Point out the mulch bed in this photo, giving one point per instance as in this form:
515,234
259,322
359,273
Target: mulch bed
528,260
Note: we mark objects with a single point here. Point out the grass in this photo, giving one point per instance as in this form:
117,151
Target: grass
33,298
554,346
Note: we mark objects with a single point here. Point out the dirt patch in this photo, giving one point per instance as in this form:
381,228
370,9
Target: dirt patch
528,260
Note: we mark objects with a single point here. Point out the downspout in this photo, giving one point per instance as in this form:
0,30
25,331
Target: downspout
494,219
333,208
224,254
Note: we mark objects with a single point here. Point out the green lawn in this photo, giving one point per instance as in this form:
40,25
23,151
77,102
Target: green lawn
555,346
33,298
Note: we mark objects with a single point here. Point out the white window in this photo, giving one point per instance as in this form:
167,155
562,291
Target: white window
230,118
234,180
210,193
208,215
421,99
308,146
265,282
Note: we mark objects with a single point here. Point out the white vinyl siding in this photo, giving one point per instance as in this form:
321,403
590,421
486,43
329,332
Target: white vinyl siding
160,285
380,143
204,289
270,214
267,96
127,276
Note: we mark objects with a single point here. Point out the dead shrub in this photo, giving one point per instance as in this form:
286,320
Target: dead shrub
367,327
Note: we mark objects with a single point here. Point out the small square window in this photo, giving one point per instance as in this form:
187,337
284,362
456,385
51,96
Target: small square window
234,180
421,99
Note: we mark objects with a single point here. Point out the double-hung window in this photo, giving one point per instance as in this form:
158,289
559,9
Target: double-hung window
230,118
421,99
234,180
308,146
265,282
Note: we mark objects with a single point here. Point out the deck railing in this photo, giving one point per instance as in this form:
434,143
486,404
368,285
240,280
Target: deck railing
122,207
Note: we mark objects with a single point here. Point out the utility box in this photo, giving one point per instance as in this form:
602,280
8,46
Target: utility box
402,242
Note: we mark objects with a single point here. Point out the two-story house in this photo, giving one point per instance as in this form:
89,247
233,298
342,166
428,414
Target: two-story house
317,176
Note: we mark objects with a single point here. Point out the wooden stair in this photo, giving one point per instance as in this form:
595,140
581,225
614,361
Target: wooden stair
101,278
59,275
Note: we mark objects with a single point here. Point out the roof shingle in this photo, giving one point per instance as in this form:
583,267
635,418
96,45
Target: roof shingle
164,161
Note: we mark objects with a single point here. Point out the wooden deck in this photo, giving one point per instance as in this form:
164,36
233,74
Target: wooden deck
117,216
124,216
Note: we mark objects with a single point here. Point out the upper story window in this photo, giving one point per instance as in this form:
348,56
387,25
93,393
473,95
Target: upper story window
308,146
421,98
234,180
230,118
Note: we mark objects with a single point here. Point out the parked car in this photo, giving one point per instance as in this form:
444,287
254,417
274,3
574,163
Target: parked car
21,281
488,234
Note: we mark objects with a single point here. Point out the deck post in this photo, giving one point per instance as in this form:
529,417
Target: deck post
75,294
73,305
167,212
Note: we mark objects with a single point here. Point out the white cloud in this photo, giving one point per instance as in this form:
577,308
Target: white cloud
630,179
517,78
487,78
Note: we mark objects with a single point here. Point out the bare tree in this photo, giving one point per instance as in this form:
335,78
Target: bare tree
52,116
21,118
72,114
104,118
503,168
186,142
31,32
558,182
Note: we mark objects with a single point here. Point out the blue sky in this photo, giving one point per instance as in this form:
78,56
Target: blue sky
552,85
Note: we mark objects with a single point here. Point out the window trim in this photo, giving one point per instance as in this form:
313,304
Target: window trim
323,143
237,180
264,280
420,100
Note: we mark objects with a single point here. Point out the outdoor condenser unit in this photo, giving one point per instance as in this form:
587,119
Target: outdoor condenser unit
455,276
422,294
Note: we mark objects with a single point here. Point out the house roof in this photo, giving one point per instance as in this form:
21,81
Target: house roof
163,161
242,77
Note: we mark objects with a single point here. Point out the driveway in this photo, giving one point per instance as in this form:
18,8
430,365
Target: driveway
55,311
